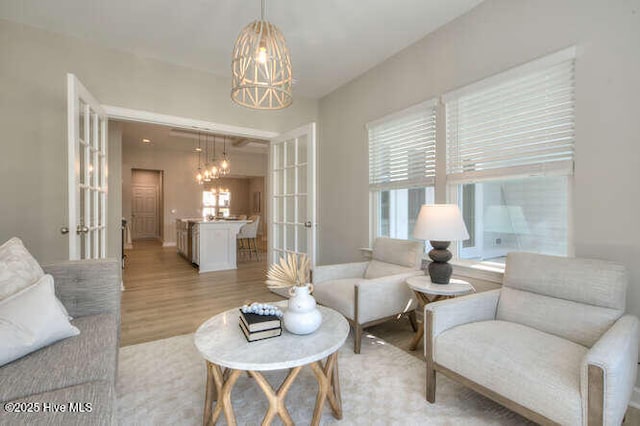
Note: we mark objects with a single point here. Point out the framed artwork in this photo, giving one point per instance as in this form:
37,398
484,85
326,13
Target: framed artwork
257,198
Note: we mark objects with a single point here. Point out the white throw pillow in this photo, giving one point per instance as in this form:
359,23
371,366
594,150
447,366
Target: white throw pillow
18,269
32,319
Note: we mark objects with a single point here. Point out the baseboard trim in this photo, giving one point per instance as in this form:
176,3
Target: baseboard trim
128,246
635,398
168,244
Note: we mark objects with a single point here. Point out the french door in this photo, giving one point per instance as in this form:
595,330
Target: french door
292,172
87,167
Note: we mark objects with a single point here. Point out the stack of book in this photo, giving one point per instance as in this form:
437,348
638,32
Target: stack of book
258,327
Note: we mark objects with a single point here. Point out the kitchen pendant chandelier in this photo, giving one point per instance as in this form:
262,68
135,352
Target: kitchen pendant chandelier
261,67
210,171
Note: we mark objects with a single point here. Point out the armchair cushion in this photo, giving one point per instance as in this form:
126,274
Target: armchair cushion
377,269
338,294
580,323
534,369
400,252
589,281
335,272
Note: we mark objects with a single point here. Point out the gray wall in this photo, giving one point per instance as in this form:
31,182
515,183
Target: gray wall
33,118
497,35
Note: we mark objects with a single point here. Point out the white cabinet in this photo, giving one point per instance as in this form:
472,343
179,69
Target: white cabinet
195,244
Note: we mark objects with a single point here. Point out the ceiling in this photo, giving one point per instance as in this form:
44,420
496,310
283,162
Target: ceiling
180,140
331,41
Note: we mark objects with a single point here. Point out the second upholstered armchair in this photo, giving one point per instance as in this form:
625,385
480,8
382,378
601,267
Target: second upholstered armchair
368,293
553,344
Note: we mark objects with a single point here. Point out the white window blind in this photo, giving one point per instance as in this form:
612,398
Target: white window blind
402,149
518,123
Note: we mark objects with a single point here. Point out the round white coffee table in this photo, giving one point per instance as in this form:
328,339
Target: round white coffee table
227,353
428,292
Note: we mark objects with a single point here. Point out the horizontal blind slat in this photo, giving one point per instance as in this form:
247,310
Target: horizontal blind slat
523,122
402,149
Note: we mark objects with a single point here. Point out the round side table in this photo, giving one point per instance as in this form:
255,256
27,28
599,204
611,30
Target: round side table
428,292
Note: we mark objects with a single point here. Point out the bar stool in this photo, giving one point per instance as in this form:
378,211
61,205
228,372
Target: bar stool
247,235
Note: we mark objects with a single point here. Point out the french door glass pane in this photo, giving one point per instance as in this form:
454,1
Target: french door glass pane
302,149
515,215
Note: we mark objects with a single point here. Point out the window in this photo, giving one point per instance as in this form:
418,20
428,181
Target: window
401,169
510,142
215,203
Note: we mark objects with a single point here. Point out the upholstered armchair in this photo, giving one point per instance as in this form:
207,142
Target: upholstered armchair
553,344
368,293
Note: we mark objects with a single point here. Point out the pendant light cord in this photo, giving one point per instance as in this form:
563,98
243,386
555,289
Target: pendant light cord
262,9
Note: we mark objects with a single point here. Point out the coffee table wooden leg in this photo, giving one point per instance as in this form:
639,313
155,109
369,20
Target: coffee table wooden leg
224,383
335,382
276,399
209,396
328,388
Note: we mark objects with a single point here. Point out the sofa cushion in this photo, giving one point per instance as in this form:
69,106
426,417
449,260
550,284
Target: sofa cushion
493,353
589,281
100,395
90,356
377,269
18,269
338,294
400,252
32,319
581,323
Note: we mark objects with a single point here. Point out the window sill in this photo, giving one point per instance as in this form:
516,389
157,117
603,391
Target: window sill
488,271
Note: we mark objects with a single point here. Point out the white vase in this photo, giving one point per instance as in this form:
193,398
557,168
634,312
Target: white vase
302,316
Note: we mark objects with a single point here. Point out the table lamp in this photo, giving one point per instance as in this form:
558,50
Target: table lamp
440,224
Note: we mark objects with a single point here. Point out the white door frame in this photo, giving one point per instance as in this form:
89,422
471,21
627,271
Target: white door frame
309,129
127,114
141,116
87,226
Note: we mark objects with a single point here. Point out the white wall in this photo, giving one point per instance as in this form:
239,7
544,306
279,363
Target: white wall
497,35
33,146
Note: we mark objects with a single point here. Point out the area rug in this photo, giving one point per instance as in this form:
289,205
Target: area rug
162,383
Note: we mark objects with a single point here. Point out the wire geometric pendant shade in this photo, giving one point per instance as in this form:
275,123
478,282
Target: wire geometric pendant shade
261,68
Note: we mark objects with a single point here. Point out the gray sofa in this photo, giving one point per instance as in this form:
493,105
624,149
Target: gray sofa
80,369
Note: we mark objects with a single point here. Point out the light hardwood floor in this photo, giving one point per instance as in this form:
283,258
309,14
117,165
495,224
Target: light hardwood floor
165,296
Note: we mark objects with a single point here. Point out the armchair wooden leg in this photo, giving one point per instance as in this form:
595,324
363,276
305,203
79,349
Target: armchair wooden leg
431,383
357,338
428,355
413,321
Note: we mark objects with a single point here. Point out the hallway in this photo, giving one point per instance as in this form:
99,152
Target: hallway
165,296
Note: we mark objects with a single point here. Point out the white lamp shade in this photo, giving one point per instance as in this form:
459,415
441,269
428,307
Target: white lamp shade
440,222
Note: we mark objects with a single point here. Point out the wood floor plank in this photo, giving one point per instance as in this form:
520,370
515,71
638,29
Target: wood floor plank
165,295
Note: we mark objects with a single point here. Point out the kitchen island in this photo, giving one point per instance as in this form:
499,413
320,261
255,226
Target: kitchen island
213,243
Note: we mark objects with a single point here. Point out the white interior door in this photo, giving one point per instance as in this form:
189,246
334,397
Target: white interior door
87,148
292,172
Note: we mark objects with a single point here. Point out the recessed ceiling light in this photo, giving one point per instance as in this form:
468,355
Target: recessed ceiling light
145,140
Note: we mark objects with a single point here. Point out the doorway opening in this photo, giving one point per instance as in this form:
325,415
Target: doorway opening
146,204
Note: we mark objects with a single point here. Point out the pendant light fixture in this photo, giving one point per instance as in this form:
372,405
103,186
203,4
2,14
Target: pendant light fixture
215,170
261,67
225,165
199,177
206,175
